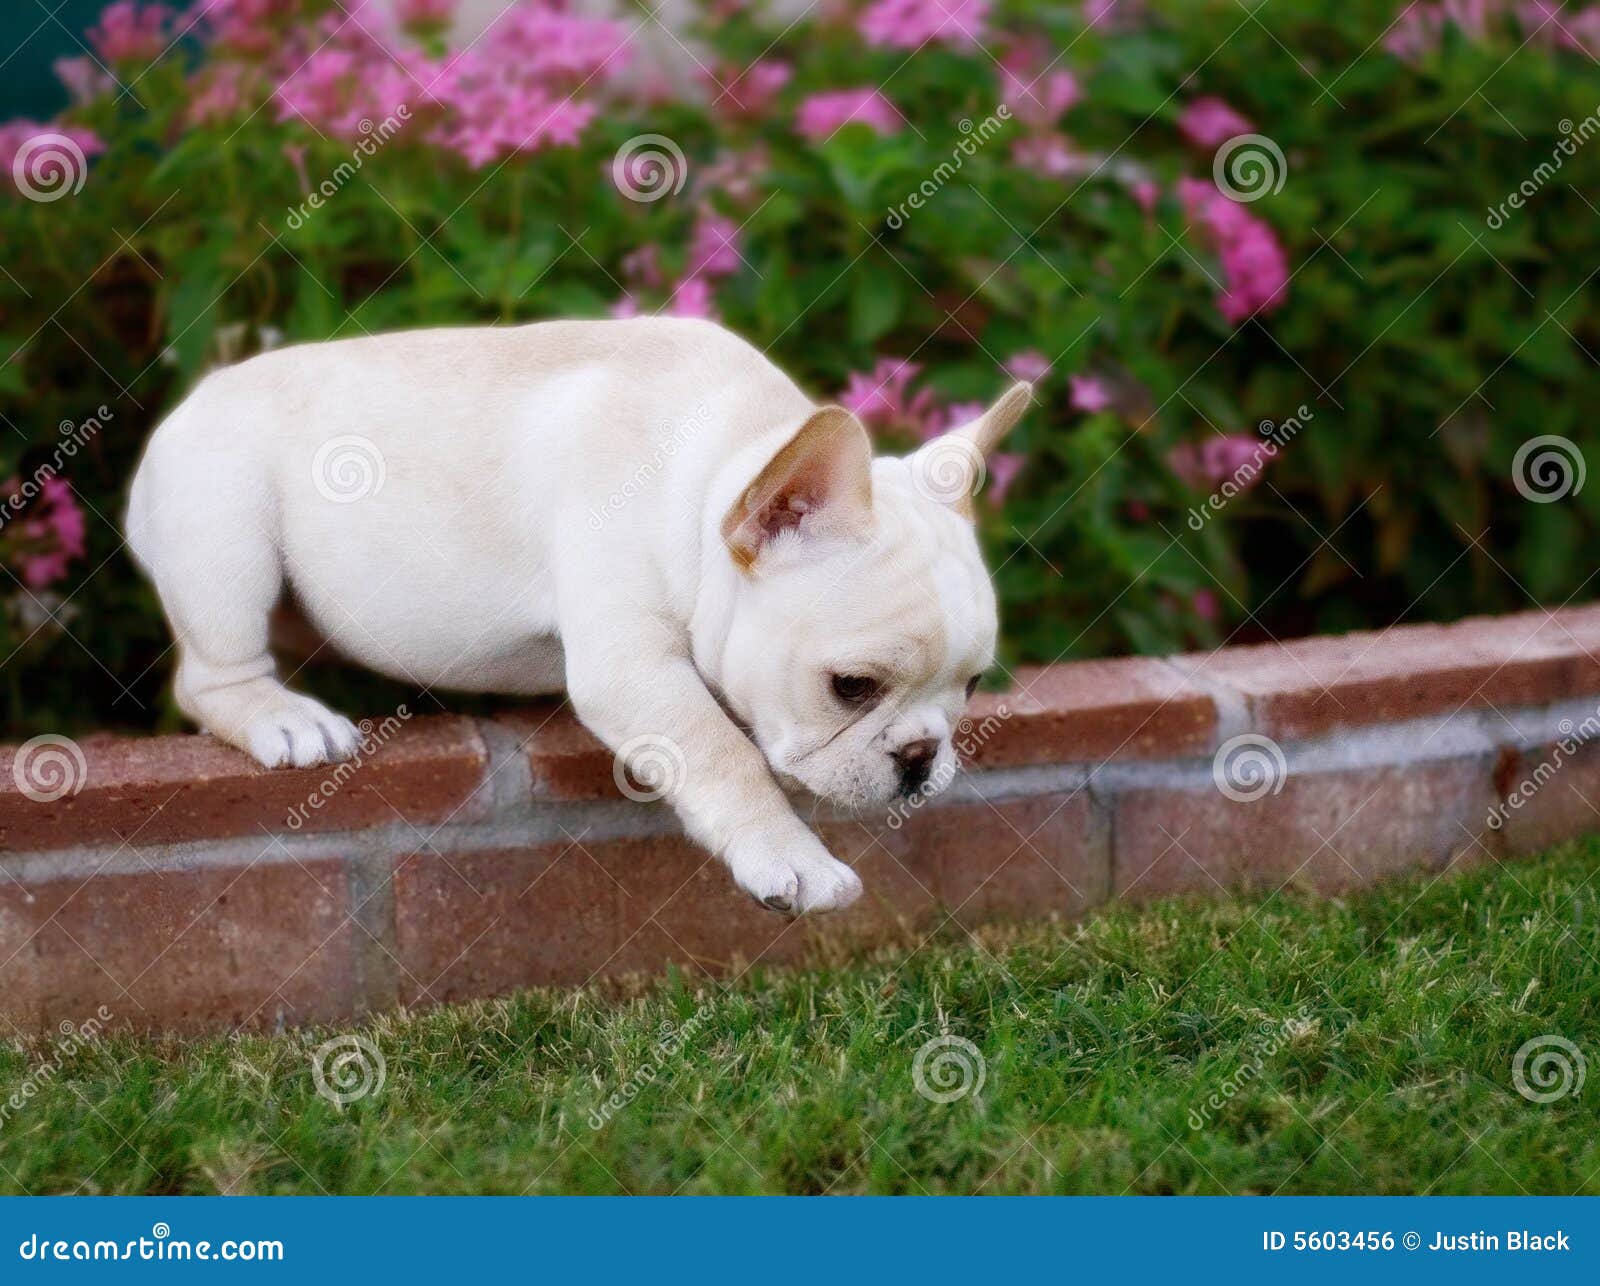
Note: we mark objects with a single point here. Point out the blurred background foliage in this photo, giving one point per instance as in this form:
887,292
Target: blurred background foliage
1426,340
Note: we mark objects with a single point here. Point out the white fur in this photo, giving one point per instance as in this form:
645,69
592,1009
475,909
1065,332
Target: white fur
549,517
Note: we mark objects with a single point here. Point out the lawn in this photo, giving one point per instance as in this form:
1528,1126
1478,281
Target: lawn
1296,1045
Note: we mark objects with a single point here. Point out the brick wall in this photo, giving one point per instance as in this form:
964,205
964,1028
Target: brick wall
176,884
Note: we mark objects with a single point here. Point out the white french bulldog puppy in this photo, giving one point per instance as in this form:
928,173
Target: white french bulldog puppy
647,514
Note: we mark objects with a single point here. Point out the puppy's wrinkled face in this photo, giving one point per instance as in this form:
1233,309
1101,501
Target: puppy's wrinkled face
851,661
866,621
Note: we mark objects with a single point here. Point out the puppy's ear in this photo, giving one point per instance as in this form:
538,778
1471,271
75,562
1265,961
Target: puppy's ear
950,468
820,481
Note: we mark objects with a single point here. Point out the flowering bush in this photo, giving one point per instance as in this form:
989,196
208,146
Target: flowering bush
1190,224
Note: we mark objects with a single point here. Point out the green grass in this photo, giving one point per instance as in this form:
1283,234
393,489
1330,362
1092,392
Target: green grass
1379,1032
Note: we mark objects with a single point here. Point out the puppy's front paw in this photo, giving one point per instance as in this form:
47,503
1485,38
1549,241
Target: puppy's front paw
297,732
803,879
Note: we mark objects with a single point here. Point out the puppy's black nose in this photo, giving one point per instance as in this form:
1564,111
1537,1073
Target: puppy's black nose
915,761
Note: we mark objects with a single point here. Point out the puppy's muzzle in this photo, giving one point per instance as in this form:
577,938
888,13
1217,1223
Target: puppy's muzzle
915,762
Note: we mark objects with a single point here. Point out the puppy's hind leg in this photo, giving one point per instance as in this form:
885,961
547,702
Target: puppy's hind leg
218,587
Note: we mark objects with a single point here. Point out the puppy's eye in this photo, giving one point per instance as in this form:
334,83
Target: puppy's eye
855,689
972,684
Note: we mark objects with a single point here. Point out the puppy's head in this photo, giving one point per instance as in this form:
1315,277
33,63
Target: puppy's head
864,615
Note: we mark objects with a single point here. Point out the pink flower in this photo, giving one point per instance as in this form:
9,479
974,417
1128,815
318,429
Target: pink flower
83,77
53,533
65,519
1218,460
296,152
127,33
1110,13
1030,365
714,247
1204,603
882,399
1089,394
822,115
1209,122
1003,467
1420,27
959,413
250,28
425,16
1146,192
1037,93
749,91
643,266
692,298
45,166
1253,261
513,90
737,175
219,96
1045,154
910,24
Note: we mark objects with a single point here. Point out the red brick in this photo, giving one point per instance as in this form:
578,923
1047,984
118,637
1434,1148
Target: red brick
679,904
1563,806
1019,858
480,924
1376,821
1538,657
155,790
1133,708
484,923
1309,686
567,760
262,945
